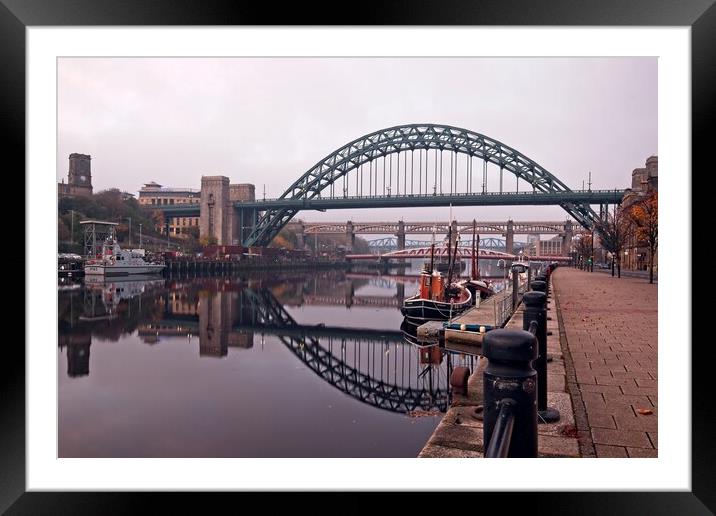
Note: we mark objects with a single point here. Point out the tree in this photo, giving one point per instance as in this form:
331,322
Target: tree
63,232
644,213
614,232
208,240
286,239
583,247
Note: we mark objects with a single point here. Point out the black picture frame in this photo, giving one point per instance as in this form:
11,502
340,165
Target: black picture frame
700,15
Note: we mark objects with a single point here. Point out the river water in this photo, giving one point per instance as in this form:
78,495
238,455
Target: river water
287,364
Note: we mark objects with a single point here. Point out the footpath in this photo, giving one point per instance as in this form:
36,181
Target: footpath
609,334
602,377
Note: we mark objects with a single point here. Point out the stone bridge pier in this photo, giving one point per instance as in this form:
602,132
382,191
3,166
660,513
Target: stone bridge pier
350,236
567,238
510,237
401,235
300,235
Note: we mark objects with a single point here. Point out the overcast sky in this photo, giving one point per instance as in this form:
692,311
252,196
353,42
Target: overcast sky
268,120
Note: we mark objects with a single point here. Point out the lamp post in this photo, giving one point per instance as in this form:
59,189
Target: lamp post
130,231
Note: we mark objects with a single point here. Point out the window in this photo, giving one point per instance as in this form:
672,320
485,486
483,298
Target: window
171,201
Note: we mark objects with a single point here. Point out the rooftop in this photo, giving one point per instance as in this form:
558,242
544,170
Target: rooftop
99,222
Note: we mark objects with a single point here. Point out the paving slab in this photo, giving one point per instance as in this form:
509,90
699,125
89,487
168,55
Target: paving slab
609,336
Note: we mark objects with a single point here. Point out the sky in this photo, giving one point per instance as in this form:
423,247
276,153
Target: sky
267,121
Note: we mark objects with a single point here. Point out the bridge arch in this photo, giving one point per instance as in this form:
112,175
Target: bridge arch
383,143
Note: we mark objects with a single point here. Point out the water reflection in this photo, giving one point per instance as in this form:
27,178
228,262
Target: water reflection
378,367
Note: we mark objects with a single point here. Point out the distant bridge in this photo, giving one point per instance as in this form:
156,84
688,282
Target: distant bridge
391,243
508,229
439,228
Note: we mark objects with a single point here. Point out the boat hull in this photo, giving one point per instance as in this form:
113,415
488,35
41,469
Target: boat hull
419,310
102,270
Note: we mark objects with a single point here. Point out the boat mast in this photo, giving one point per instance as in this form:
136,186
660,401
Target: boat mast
475,273
449,253
477,257
432,253
454,257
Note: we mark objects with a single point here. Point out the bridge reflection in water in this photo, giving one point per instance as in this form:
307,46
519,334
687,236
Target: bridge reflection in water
377,367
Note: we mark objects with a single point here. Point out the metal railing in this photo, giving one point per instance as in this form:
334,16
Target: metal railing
515,380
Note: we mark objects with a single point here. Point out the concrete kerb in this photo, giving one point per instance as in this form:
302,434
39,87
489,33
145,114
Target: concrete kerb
460,433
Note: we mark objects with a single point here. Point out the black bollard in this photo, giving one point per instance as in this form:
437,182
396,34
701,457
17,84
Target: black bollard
545,278
536,310
539,285
510,382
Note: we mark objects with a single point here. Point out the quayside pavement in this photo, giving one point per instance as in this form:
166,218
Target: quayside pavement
608,330
602,336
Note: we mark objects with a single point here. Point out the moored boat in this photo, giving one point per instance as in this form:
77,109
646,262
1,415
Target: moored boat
116,261
437,300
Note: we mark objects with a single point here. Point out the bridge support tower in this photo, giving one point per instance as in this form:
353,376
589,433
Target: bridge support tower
567,238
300,236
401,235
214,219
350,236
242,221
510,237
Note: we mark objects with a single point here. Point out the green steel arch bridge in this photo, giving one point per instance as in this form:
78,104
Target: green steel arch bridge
414,165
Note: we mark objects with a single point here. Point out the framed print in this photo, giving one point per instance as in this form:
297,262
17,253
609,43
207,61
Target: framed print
303,257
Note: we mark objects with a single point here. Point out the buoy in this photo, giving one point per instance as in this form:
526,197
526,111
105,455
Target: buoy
463,327
482,329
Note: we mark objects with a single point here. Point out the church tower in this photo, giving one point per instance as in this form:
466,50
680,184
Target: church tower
79,177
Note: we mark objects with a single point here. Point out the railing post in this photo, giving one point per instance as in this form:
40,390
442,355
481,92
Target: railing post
529,275
509,376
535,303
515,287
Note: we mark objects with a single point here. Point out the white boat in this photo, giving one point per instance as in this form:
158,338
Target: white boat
116,261
520,267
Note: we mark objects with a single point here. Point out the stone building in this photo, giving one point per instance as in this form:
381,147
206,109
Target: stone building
79,177
218,217
643,181
154,194
215,198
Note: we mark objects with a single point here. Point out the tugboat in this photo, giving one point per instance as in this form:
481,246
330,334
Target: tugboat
436,300
477,287
115,261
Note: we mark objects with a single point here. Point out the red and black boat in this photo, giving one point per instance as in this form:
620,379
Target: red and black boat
436,300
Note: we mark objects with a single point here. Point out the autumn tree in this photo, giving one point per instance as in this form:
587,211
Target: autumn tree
644,214
583,247
158,219
614,233
208,240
